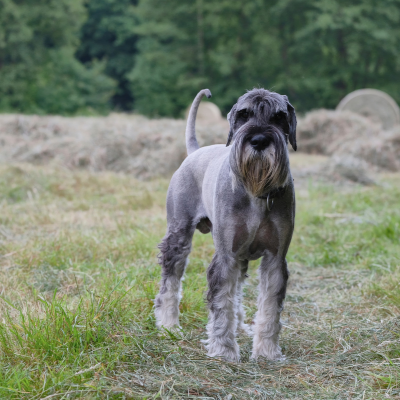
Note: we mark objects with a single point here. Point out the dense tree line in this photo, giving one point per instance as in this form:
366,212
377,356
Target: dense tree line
80,56
38,69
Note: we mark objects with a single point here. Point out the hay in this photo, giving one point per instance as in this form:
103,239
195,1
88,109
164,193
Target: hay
151,148
120,142
349,168
325,131
347,134
335,169
382,151
207,113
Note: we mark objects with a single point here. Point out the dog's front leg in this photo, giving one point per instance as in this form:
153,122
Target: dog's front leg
222,276
272,289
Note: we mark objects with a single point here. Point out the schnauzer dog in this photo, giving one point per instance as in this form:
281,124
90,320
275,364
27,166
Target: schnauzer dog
243,194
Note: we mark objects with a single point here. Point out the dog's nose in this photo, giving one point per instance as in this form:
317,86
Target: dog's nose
259,142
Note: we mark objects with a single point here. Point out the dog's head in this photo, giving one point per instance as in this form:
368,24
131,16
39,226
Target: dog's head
261,125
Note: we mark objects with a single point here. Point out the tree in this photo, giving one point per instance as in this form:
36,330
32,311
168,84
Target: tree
38,71
186,46
330,48
109,34
315,51
160,54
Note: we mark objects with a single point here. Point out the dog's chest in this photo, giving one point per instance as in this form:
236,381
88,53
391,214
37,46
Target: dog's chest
253,238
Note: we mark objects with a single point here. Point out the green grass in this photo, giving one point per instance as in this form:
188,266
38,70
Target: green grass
79,274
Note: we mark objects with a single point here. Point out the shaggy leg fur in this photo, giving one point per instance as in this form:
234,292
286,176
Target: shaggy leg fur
272,289
222,299
174,250
241,315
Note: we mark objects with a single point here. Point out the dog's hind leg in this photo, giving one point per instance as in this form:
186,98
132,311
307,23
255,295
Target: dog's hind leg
222,275
241,315
272,289
174,251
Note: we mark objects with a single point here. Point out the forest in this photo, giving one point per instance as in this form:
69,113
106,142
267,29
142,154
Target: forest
90,57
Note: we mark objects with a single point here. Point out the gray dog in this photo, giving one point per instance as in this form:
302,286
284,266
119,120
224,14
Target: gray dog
243,194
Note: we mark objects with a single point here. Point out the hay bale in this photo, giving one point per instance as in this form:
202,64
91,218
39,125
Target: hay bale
374,104
382,151
207,112
325,131
344,133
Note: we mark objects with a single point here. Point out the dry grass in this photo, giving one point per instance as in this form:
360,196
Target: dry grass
348,134
149,149
120,142
78,275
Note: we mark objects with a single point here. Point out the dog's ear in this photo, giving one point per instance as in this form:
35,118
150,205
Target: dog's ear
231,119
292,121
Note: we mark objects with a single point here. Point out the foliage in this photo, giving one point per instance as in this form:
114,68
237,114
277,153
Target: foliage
38,70
159,54
189,45
109,34
330,48
314,51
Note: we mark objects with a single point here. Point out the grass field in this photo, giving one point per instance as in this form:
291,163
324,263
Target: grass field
79,275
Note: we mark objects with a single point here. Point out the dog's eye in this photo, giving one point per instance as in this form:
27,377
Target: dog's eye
278,117
244,114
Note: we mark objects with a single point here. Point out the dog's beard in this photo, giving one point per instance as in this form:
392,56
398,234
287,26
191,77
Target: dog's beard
261,171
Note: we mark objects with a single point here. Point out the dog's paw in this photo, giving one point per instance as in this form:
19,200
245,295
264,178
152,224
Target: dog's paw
166,317
176,328
168,323
267,349
227,353
274,356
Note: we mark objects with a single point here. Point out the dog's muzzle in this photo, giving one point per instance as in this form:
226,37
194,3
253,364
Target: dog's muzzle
260,142
259,159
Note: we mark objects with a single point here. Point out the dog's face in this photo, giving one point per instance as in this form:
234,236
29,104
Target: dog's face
261,125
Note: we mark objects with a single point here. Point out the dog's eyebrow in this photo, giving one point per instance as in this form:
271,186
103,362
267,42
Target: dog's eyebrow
244,106
279,113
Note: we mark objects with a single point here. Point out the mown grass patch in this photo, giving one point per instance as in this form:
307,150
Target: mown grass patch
79,274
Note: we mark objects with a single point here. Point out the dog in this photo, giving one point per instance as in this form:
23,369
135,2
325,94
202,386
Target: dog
243,194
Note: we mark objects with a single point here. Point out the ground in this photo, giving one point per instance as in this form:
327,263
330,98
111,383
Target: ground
79,274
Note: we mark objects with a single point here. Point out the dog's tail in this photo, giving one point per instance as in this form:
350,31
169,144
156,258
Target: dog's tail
191,141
